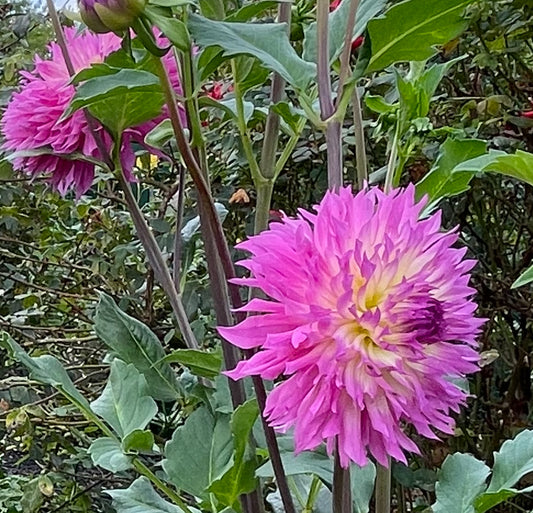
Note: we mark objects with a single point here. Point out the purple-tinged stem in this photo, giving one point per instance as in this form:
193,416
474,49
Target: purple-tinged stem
346,50
383,488
264,188
220,265
176,260
342,487
327,109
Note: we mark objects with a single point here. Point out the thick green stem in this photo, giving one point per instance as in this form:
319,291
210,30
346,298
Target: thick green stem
361,174
270,142
383,489
262,209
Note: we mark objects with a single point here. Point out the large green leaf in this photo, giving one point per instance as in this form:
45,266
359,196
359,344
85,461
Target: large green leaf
268,42
461,479
443,179
125,404
107,453
120,100
200,452
140,497
240,478
410,30
512,462
174,29
338,20
135,343
47,370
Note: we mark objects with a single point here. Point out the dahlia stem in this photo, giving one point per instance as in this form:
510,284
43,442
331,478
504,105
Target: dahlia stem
383,488
391,166
271,137
361,170
220,265
153,253
176,260
264,177
346,50
264,192
342,487
327,108
146,237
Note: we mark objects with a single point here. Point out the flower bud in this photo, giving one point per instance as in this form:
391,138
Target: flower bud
110,15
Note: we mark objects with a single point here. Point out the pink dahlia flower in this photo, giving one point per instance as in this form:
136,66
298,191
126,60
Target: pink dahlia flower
369,320
33,121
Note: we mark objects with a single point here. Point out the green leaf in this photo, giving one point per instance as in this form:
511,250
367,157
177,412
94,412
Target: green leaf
255,40
107,453
410,30
140,497
120,100
306,462
134,343
228,106
213,9
206,365
200,452
338,20
487,500
444,179
518,165
251,10
512,462
289,114
461,480
173,29
47,370
32,499
138,441
125,404
170,3
160,135
379,104
240,478
362,479
525,278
